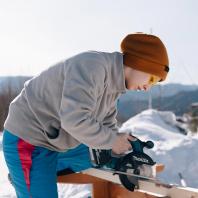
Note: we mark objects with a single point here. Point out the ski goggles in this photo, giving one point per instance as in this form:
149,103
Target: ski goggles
153,80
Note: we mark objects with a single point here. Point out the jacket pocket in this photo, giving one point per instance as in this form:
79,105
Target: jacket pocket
52,129
58,137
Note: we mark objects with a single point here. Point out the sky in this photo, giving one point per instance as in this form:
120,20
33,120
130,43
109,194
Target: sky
36,34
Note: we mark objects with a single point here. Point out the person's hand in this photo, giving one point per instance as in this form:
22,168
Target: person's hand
122,144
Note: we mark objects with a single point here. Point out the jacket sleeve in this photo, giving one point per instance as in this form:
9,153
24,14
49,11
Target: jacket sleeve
82,85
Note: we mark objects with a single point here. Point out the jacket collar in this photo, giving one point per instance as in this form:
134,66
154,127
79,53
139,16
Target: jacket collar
116,73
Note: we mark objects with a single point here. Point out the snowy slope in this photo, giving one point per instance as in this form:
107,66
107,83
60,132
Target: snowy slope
178,152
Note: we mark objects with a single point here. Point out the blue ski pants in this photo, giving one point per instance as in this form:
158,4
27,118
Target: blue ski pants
33,169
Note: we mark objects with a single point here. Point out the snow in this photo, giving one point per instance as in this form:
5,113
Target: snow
6,190
178,152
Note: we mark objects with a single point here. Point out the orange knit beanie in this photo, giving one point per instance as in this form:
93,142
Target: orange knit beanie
146,53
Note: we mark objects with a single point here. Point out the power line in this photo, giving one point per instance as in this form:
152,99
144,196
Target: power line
188,74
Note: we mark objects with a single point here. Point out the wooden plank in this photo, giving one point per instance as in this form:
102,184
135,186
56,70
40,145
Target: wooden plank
159,168
78,178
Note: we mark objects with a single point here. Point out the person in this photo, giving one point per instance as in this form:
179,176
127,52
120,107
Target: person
74,102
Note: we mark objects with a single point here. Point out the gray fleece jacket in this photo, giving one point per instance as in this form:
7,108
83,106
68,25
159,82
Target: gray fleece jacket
72,102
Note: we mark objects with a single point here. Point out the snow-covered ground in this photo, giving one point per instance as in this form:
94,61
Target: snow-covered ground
178,152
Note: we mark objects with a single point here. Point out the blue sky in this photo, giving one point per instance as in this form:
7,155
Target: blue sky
36,34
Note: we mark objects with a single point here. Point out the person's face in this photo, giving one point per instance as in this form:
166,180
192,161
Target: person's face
137,80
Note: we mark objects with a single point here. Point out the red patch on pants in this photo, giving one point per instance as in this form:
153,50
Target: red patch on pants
25,155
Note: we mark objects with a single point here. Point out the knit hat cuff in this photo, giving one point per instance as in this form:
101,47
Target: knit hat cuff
145,66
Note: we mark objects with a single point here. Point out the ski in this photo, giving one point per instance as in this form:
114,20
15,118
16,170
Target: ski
140,177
